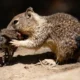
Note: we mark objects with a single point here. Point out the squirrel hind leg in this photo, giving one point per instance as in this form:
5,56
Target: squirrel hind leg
60,60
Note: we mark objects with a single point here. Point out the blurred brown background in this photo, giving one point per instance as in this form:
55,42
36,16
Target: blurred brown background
10,8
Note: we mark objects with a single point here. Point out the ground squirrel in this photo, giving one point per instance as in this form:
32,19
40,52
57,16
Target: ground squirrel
57,31
6,36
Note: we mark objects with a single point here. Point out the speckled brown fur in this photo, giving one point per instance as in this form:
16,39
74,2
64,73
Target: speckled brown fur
57,31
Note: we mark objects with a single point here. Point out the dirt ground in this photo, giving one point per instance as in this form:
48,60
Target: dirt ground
24,66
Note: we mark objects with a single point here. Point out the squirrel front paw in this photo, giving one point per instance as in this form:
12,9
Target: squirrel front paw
15,43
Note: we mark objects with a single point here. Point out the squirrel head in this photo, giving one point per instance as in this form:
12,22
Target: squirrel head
27,22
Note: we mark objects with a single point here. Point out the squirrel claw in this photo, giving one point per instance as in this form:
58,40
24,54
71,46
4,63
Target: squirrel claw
15,43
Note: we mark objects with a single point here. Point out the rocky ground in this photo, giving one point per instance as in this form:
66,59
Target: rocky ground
26,66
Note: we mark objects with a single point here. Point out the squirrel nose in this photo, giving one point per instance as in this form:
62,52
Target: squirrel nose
15,22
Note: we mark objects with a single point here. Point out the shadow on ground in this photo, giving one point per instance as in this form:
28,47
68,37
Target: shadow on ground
28,59
33,59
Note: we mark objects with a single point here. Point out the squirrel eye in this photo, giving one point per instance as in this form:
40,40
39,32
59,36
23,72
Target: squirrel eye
15,21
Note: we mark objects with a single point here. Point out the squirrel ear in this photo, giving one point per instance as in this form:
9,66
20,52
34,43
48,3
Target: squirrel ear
29,9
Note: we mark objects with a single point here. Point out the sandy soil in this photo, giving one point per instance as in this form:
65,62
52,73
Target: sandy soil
24,67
